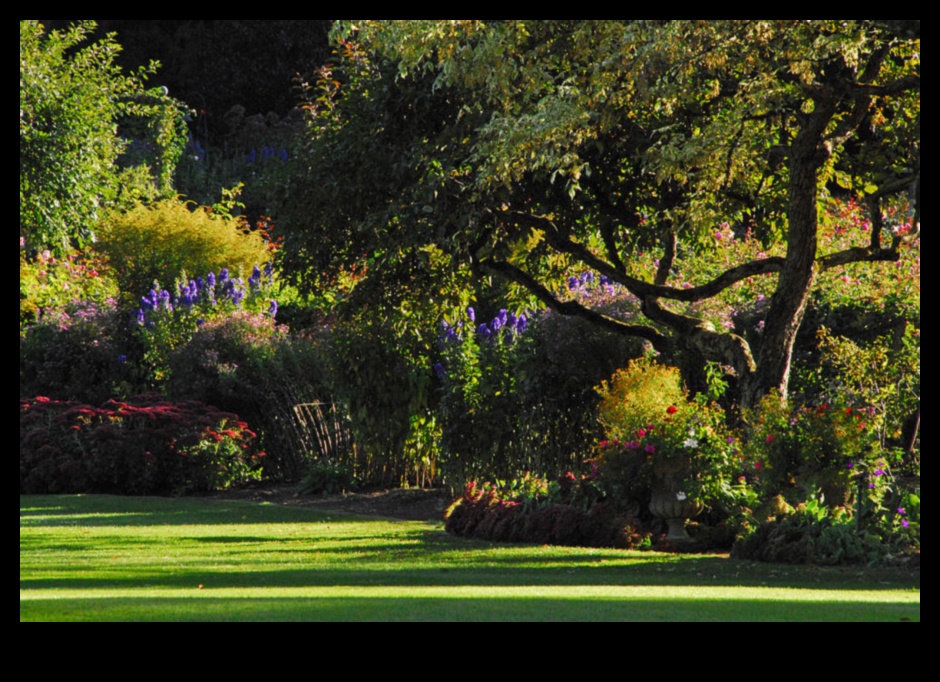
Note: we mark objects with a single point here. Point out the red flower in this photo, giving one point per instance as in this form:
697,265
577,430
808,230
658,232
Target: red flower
672,409
758,465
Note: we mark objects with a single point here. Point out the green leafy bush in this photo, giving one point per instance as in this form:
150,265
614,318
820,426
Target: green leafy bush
142,446
71,98
517,392
171,239
797,541
244,363
880,525
328,477
792,450
383,383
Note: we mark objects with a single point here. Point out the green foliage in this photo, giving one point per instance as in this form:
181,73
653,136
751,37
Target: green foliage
256,153
169,239
799,540
76,353
168,321
386,391
524,148
885,374
71,98
518,391
156,138
884,527
244,363
327,477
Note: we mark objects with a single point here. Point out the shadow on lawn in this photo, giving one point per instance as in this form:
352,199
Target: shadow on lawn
377,552
113,510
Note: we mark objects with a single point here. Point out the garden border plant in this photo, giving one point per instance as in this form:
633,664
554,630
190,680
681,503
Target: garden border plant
145,446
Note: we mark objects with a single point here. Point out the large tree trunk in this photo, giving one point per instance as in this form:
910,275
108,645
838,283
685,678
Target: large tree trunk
788,305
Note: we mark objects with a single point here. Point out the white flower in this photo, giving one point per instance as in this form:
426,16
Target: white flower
680,496
690,443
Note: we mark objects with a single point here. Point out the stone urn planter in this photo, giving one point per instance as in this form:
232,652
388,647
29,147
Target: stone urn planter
675,508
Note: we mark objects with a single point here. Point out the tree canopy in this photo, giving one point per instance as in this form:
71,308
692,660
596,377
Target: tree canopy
524,148
72,96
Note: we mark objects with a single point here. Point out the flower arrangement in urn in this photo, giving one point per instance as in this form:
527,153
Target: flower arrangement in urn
661,445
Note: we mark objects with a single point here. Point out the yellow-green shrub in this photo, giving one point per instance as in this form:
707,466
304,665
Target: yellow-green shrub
656,437
637,396
164,240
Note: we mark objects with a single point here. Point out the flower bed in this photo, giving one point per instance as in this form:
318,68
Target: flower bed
142,446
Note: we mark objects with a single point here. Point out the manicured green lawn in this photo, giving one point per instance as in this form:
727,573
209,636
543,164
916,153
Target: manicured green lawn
102,558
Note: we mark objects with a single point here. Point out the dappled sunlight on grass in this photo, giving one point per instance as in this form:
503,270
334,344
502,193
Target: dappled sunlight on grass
219,561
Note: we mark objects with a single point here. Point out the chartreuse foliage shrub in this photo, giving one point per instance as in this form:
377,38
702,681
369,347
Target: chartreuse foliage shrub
170,239
142,446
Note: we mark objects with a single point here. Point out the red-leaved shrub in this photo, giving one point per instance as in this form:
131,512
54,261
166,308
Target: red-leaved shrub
483,513
142,446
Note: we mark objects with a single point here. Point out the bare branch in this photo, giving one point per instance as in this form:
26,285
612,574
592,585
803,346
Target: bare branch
857,254
573,308
642,289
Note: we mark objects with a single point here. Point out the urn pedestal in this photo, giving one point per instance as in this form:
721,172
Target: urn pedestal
675,508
